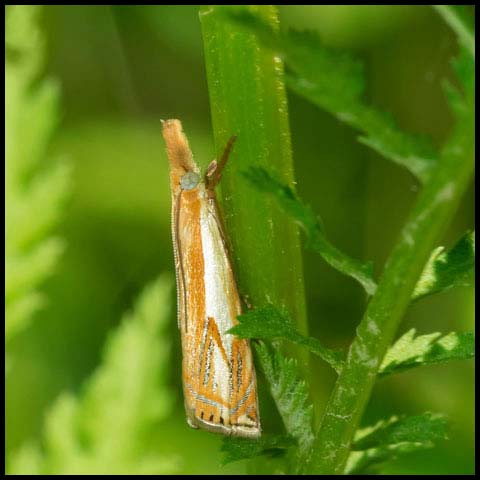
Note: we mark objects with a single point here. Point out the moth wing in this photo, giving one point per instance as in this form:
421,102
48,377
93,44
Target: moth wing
224,397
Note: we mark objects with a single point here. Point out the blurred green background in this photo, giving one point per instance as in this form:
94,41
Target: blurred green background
122,69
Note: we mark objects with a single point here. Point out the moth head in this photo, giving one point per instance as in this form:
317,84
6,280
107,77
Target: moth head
189,181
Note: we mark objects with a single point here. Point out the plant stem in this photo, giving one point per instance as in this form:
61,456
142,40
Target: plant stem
248,99
433,210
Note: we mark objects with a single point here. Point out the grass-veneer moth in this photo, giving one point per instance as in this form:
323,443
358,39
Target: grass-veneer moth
219,382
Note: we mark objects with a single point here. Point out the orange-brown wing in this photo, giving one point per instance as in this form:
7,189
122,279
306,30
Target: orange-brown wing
218,372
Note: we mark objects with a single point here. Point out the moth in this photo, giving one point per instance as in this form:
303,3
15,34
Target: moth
219,382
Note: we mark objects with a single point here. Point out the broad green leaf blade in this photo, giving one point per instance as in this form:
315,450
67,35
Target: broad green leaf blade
384,441
335,81
289,392
310,224
103,430
235,449
462,22
268,323
445,270
410,351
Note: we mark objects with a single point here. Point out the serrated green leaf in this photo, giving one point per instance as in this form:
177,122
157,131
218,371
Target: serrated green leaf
424,428
20,312
410,351
445,270
309,222
37,210
370,461
103,430
289,392
462,104
464,67
335,81
34,194
24,272
462,22
387,439
268,323
235,449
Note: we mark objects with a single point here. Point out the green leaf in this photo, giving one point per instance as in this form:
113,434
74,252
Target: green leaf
335,81
462,21
309,222
35,194
424,428
387,439
268,323
461,100
369,461
434,208
410,351
105,429
20,312
445,270
27,460
289,392
235,449
37,210
23,273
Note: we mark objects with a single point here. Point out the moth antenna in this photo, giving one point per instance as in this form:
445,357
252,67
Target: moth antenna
215,169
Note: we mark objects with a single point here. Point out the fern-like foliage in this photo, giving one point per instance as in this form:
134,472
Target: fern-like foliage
104,430
269,323
445,270
289,392
386,440
317,241
235,449
411,351
335,81
34,195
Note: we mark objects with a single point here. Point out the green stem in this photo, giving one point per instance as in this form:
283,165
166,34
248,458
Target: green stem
248,99
433,210
465,36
